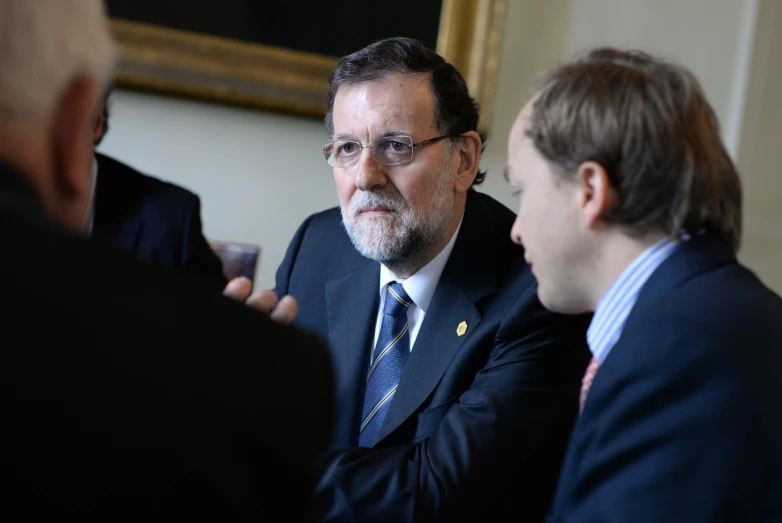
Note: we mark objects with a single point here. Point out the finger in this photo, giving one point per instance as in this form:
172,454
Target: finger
262,300
238,289
285,310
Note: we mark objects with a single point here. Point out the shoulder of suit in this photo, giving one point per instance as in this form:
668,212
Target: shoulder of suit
324,221
490,208
721,316
112,171
492,221
741,299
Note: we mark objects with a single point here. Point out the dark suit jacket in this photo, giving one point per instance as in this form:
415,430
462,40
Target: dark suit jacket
155,220
479,423
128,394
678,422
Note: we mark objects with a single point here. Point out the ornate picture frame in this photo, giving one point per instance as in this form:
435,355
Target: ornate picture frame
194,65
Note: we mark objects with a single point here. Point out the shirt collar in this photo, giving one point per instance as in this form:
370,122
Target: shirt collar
615,305
421,285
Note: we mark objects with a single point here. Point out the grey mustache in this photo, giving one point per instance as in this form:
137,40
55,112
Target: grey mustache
363,201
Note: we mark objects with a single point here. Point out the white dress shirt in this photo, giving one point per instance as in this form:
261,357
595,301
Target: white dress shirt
420,287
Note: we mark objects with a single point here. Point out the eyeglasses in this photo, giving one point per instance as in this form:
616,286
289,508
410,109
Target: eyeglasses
388,150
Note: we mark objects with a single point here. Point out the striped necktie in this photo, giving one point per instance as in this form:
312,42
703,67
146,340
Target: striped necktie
388,360
586,382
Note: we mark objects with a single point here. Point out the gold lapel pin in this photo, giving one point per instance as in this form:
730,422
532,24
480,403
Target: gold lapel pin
462,328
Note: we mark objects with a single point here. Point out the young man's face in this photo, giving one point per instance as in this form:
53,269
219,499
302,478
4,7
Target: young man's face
547,223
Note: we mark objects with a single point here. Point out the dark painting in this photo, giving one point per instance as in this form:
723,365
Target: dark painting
277,55
333,28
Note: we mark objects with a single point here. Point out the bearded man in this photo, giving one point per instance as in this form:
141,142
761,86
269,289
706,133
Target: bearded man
456,389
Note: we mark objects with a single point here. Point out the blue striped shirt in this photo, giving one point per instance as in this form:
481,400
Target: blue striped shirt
615,305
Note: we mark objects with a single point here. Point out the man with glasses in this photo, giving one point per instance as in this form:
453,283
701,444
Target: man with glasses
457,391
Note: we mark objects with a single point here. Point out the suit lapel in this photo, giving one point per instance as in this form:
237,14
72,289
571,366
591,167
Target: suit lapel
466,280
435,346
352,301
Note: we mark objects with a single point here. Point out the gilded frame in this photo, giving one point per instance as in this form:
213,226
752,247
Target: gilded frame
226,71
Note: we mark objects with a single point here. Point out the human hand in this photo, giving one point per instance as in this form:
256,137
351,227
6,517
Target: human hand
285,309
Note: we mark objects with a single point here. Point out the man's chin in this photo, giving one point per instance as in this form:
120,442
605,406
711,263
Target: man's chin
374,229
377,248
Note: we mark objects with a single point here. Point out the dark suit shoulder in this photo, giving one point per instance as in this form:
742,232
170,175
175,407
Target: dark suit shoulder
728,302
110,283
127,183
327,218
325,224
325,243
112,298
500,212
123,193
155,388
484,247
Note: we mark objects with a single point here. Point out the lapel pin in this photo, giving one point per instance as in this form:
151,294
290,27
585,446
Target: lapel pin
462,328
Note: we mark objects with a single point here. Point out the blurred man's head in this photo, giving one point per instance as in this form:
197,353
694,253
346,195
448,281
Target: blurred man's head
614,150
401,200
56,59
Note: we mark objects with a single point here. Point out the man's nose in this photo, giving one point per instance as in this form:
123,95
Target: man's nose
370,174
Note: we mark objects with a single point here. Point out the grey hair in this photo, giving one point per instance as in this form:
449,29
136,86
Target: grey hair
44,44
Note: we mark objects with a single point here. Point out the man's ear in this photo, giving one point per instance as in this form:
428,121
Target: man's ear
597,195
72,147
468,151
97,130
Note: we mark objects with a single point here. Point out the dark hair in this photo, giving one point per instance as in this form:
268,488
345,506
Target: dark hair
647,122
455,110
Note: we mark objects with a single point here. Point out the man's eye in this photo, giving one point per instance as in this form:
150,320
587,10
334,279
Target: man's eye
347,148
396,146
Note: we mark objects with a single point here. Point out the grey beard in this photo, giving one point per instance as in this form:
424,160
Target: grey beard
390,244
389,241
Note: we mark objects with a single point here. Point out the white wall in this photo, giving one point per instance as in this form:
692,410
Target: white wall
260,174
760,150
535,37
707,36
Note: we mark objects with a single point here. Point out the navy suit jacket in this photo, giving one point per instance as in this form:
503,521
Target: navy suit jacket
680,419
479,423
155,220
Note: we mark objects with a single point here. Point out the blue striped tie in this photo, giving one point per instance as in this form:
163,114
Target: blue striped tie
388,360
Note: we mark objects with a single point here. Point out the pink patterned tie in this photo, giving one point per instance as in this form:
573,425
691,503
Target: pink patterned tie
589,376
